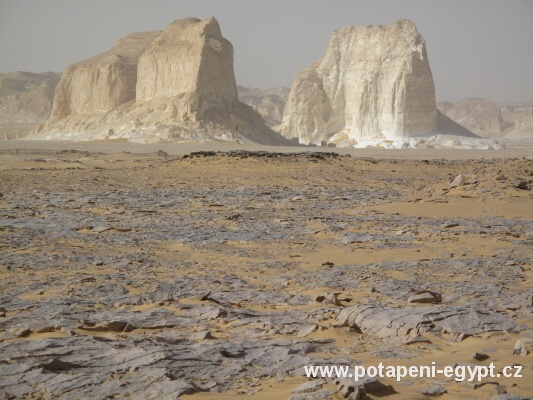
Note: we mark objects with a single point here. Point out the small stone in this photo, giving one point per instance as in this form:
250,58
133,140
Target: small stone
202,297
202,335
376,387
119,326
520,349
307,331
67,331
358,394
161,153
426,297
480,356
459,180
499,389
20,330
522,185
332,298
233,353
56,365
157,298
434,391
355,238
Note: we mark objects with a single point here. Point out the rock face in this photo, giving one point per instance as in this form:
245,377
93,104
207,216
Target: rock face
372,80
103,82
486,119
178,65
176,84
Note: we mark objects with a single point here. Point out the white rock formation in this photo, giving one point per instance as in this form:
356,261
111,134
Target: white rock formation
373,80
103,82
177,65
178,84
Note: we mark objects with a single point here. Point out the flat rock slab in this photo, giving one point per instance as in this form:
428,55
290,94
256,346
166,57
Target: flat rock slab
384,322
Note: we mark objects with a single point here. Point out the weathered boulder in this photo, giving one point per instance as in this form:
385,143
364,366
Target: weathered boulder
373,80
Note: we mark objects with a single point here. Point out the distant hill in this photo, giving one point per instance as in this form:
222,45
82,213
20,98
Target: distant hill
487,119
25,100
270,103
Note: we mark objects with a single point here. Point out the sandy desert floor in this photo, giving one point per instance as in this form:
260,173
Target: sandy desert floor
158,274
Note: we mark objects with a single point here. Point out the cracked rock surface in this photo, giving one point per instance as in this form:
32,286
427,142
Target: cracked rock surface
214,275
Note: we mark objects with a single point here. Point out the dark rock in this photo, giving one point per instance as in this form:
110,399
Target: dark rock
232,353
480,356
56,365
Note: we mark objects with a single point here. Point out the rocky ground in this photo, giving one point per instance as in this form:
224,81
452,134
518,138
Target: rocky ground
221,275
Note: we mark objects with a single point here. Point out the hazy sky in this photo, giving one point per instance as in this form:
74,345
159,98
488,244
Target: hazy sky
476,48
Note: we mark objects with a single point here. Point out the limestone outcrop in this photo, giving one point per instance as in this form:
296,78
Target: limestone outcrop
177,84
103,82
373,80
179,65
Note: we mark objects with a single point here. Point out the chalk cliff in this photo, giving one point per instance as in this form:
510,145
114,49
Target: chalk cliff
102,82
177,84
373,80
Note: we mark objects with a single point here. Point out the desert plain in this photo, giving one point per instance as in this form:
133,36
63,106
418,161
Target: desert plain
165,271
